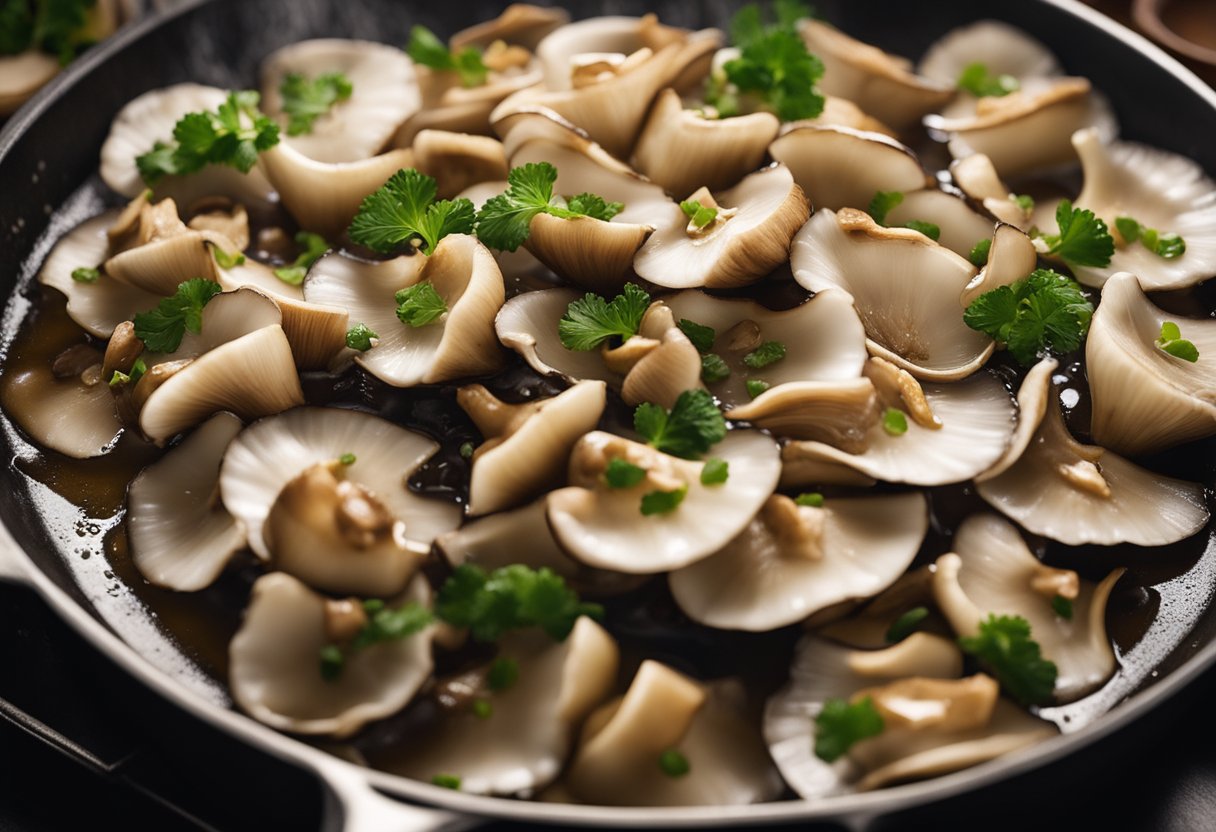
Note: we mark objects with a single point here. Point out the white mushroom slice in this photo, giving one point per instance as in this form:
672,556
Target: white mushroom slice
384,92
682,150
977,417
991,571
793,561
604,527
149,119
100,306
22,75
1079,494
588,252
520,24
905,288
1143,398
324,197
748,238
527,323
1032,407
447,105
524,742
839,413
272,452
458,160
617,762
275,663
526,445
669,363
978,179
881,84
961,228
1028,130
839,167
161,265
1011,257
181,536
1161,190
840,112
459,343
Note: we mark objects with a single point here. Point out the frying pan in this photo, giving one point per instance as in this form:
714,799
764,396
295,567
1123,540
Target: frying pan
50,148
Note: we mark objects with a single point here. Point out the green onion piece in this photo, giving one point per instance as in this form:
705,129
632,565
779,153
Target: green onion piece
811,499
906,624
715,471
673,763
894,421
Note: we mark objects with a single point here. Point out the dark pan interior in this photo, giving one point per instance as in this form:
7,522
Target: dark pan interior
47,152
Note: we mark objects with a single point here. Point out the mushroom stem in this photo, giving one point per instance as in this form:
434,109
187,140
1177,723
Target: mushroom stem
623,358
492,416
1050,582
798,529
1085,476
895,385
920,703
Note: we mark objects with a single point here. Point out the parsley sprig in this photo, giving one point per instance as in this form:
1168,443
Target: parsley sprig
1044,311
590,321
1084,239
427,49
688,430
233,135
977,80
840,725
314,245
304,100
1005,647
510,598
57,27
404,209
504,221
419,305
163,328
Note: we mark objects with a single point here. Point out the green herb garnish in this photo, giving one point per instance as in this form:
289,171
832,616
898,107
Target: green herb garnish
137,371
1084,239
503,674
930,230
1167,246
419,305
840,725
906,624
504,221
233,135
1005,647
1023,201
977,80
426,49
314,247
715,472
304,101
347,459
383,624
714,368
756,386
591,320
770,352
482,709
447,781
688,430
702,336
404,209
620,473
228,259
359,337
333,662
466,450
163,328
894,421
811,499
1172,342
698,214
1062,607
883,203
1044,311
86,275
673,763
510,598
663,502
979,253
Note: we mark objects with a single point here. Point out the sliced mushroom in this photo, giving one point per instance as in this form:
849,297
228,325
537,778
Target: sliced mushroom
659,363
527,323
450,106
839,167
749,236
165,252
384,92
617,761
793,561
869,627
272,452
991,571
1011,257
523,744
181,535
883,85
588,252
840,112
275,662
520,24
682,150
1077,494
604,527
905,288
22,75
458,160
1143,398
460,343
979,180
961,228
526,444
518,267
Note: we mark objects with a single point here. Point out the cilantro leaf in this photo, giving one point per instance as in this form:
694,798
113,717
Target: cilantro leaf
503,221
404,209
1083,239
314,246
387,624
770,352
840,725
688,430
715,472
714,368
1005,647
426,49
756,386
359,337
663,502
977,80
621,473
510,598
1043,311
782,74
304,101
883,203
163,328
1172,342
591,320
702,336
419,305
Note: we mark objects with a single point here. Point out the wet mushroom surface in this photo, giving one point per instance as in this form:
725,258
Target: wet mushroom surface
431,404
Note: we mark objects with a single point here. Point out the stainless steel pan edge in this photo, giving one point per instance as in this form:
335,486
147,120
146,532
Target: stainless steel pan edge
357,796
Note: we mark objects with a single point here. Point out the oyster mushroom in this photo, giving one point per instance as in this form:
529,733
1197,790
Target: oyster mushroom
748,238
883,85
526,444
447,105
1144,399
523,744
272,452
839,167
961,228
954,431
604,527
22,75
1011,257
181,536
457,160
682,150
519,266
1056,487
520,24
159,251
459,343
978,179
658,363
935,722
384,92
100,306
793,561
905,288
840,112
527,324
275,667
991,571
617,761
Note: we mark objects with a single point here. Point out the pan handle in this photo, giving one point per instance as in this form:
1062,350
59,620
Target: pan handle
352,805
13,568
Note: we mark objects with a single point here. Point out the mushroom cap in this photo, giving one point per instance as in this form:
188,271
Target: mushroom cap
905,288
991,570
524,743
274,663
526,445
672,366
840,112
1077,494
527,323
1011,257
100,306
520,23
587,252
181,536
839,167
733,251
604,527
978,179
22,75
1144,399
384,92
793,561
458,161
517,266
273,451
961,227
158,267
1032,406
